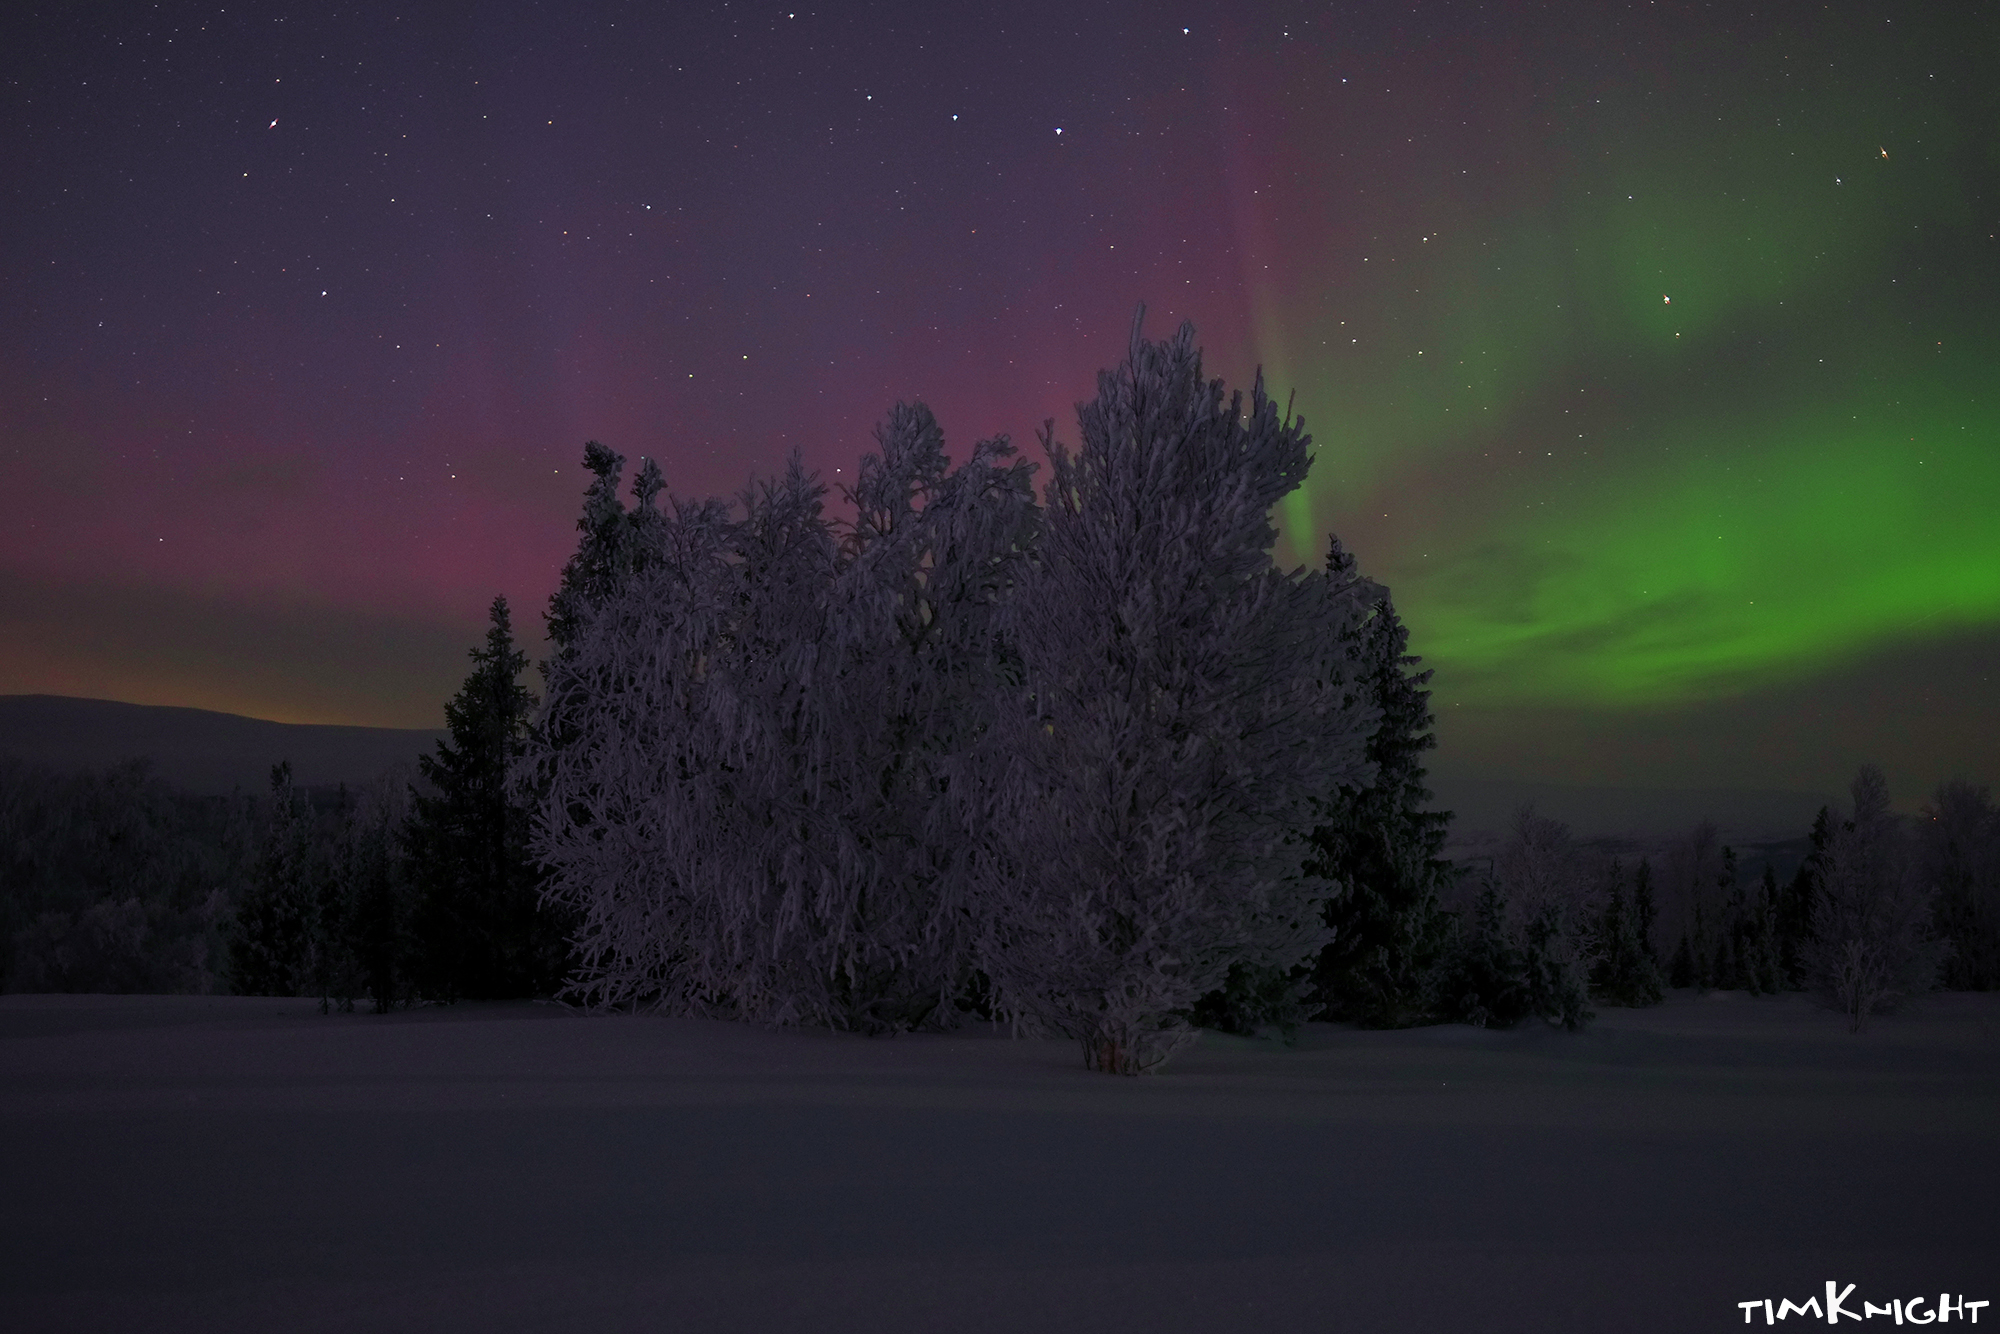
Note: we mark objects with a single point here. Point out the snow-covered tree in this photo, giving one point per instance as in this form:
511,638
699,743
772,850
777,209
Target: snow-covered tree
920,675
634,818
749,813
1185,703
1871,943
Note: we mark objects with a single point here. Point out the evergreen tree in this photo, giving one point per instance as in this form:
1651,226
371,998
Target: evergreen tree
1482,979
1626,973
375,892
1557,972
1645,908
482,933
1770,973
1795,906
1702,948
273,947
1681,971
1381,843
1730,922
616,543
1871,941
1959,855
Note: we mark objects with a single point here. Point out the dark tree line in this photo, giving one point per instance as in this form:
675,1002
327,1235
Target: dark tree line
400,892
1095,766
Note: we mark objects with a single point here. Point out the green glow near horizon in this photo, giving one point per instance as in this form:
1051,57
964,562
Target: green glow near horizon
1849,535
1709,412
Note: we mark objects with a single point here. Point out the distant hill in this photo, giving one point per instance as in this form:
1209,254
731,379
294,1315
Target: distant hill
1741,815
199,750
213,752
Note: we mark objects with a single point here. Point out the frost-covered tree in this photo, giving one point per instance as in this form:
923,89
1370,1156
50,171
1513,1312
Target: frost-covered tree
1871,942
481,933
1185,703
1959,856
749,816
636,819
921,672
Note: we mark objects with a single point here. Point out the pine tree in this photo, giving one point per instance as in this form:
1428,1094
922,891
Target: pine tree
1482,979
1382,842
1557,971
1871,943
1681,971
1185,703
481,932
1959,852
374,887
1766,971
1730,915
1795,907
1645,908
1626,972
271,949
617,543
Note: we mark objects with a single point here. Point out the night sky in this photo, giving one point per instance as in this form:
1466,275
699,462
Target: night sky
1650,350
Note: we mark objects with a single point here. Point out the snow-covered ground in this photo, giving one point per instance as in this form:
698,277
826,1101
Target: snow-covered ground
220,1164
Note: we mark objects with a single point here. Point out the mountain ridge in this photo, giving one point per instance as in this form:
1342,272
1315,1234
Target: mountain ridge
200,749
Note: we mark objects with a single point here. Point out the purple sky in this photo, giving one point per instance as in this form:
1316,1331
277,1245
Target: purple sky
305,317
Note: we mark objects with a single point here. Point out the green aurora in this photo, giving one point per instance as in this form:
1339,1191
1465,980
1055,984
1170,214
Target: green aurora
1667,396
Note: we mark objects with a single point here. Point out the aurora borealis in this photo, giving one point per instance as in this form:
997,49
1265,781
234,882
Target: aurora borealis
1649,351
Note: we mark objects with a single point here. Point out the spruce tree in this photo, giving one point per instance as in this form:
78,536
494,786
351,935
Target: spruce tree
1381,843
616,543
1681,971
481,932
1959,854
1766,973
1795,906
375,889
1482,979
271,949
1645,908
1730,916
1626,972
